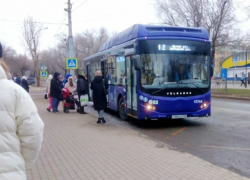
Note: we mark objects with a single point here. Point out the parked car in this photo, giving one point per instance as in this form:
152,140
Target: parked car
31,80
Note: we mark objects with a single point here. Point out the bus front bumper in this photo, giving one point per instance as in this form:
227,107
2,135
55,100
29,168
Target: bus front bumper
154,115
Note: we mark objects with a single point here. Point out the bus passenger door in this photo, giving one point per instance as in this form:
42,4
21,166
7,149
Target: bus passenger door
104,74
103,68
131,87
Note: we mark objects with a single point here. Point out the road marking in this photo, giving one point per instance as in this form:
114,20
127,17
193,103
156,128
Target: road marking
179,131
220,147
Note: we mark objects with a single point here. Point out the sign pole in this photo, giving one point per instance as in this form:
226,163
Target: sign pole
235,59
235,79
246,71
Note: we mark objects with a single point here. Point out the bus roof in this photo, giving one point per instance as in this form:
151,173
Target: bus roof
142,31
139,30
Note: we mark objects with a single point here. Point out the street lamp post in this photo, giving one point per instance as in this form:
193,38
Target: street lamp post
40,30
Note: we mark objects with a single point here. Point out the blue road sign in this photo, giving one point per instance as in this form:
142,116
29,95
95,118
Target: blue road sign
43,74
72,63
235,59
40,64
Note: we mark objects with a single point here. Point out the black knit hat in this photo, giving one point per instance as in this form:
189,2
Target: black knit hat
1,51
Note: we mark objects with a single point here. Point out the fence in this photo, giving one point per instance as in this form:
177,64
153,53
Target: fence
223,84
219,84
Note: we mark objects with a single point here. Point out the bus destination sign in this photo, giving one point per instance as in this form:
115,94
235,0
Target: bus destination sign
164,47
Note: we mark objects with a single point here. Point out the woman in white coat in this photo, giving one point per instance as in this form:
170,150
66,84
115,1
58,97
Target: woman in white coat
21,128
71,85
48,83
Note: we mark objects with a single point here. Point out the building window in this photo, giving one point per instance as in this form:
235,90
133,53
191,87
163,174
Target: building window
93,67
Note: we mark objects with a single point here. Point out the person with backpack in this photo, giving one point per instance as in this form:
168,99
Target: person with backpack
99,86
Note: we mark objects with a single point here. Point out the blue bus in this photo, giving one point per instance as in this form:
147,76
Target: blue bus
156,72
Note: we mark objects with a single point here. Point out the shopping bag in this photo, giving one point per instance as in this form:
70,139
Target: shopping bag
84,100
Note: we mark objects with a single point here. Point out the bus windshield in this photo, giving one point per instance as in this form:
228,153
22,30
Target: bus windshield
174,64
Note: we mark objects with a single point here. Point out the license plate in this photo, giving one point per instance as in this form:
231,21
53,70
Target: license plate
178,116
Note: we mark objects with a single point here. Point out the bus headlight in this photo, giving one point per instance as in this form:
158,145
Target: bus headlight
150,107
204,105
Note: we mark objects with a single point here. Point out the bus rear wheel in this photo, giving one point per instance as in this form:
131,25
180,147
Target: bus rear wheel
121,109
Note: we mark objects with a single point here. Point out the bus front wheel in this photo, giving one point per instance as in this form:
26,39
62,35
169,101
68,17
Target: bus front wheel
121,110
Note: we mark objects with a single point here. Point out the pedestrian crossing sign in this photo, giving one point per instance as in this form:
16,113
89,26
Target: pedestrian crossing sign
72,63
43,74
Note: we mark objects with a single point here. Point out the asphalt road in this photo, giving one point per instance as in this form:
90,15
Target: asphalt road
222,139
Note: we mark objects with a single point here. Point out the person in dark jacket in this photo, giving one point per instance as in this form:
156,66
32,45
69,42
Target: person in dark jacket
99,95
82,89
24,84
55,91
18,79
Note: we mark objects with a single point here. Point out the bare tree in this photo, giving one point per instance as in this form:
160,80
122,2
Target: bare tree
244,5
47,57
32,35
217,16
18,63
88,43
189,12
8,51
60,52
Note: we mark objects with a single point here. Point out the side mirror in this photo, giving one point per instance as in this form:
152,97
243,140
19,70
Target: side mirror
137,62
211,70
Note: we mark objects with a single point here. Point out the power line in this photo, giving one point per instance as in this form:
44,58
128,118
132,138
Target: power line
9,20
75,1
57,29
79,5
61,24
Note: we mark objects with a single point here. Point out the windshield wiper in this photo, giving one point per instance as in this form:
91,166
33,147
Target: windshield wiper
159,90
180,82
165,89
198,88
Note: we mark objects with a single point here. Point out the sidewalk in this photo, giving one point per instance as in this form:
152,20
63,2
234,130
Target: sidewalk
35,88
76,148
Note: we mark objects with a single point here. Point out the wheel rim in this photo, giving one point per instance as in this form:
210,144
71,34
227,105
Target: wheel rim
122,110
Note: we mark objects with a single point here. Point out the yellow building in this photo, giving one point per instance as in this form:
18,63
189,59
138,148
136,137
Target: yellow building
236,64
223,52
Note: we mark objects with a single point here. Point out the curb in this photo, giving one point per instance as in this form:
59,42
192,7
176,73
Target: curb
229,97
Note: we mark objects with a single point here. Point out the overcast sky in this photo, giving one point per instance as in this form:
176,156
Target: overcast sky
115,15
